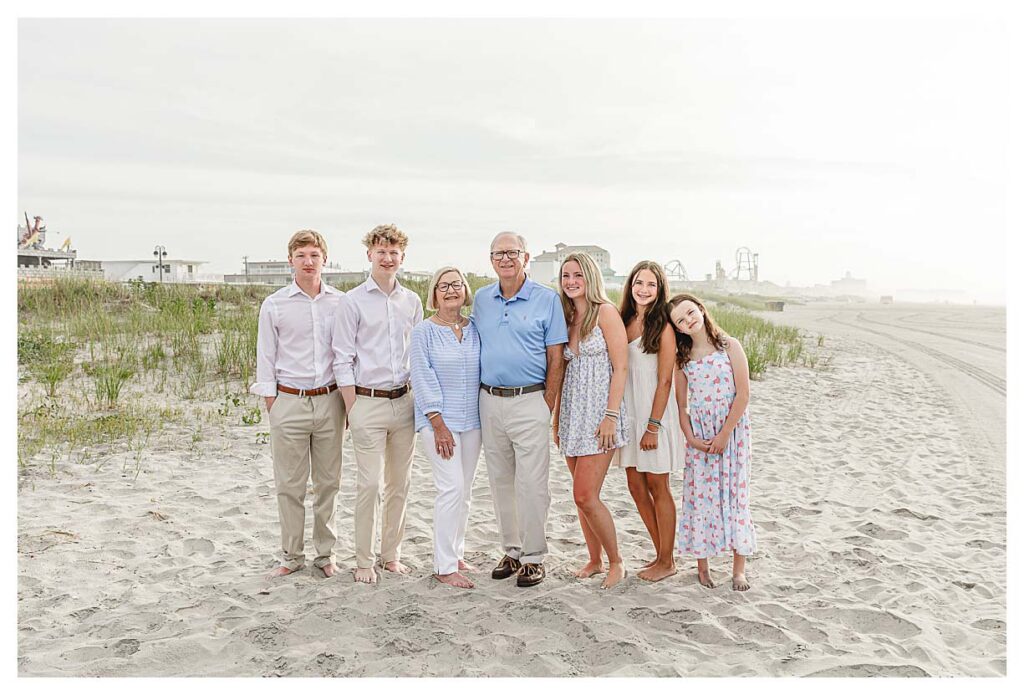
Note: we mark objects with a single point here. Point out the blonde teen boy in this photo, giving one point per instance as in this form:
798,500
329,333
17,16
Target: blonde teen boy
371,364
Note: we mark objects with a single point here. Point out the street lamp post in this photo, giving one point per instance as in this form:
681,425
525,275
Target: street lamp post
160,252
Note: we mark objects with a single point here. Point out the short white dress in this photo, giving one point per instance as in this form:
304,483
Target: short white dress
641,383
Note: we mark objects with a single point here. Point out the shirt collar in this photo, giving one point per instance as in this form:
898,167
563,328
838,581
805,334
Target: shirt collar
524,292
372,286
294,289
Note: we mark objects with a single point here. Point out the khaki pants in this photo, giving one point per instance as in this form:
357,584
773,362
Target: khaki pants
305,441
516,435
383,439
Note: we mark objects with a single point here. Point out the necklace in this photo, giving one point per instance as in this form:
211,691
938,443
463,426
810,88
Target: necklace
454,324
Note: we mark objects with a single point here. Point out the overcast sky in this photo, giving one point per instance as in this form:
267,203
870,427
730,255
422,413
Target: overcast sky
873,146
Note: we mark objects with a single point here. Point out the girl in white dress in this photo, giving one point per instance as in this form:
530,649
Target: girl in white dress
655,447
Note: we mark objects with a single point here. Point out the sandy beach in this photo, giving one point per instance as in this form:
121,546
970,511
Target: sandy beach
878,494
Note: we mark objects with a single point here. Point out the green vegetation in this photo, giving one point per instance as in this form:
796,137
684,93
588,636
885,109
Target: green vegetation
93,353
765,343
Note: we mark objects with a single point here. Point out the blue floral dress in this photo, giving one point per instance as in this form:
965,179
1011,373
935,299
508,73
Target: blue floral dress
588,377
716,487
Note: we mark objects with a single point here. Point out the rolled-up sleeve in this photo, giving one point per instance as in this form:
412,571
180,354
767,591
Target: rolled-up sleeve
343,341
426,388
266,352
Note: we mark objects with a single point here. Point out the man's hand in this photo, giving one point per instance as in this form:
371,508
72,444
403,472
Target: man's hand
269,401
550,402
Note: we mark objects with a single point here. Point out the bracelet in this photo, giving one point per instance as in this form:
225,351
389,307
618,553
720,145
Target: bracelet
654,422
652,431
431,416
612,414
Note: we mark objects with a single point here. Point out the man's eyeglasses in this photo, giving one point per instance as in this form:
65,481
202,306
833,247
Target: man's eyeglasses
445,286
512,255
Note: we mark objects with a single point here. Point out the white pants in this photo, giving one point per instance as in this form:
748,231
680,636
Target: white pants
453,480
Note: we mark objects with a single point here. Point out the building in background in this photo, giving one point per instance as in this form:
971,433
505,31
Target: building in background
544,267
148,270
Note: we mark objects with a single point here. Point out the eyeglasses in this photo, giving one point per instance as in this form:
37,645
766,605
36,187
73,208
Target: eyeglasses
457,285
512,255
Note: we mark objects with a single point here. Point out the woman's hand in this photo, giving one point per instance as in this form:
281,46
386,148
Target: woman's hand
444,442
718,444
606,434
649,441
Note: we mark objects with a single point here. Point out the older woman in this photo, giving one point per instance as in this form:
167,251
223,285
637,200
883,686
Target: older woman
445,356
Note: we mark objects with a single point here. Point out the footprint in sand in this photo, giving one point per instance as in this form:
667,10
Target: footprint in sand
199,546
878,622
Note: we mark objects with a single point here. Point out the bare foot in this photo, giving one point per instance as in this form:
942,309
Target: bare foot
589,570
397,567
740,583
649,563
366,575
281,571
455,579
657,572
328,570
704,574
466,567
616,573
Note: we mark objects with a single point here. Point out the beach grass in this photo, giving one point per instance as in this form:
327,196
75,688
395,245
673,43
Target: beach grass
103,359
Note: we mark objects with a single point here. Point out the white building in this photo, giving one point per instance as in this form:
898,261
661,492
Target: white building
148,270
544,267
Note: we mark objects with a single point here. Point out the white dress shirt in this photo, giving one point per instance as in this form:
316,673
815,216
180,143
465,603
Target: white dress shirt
293,346
371,336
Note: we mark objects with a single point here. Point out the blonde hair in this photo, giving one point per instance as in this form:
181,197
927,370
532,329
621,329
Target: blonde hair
307,237
386,234
594,292
431,302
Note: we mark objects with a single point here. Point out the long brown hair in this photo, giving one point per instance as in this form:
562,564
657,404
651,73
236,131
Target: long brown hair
684,343
657,313
594,292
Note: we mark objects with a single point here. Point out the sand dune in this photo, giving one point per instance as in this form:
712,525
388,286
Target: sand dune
881,524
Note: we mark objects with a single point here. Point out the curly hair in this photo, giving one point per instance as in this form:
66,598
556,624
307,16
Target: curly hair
387,234
684,343
657,314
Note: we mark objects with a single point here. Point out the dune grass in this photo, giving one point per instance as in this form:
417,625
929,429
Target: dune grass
91,350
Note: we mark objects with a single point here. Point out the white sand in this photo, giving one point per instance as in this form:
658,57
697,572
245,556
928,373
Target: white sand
878,496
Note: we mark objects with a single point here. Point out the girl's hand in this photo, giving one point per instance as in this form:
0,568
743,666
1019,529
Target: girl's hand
718,444
606,434
444,442
698,444
649,441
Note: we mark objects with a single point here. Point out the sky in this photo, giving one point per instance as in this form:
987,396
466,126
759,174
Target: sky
873,146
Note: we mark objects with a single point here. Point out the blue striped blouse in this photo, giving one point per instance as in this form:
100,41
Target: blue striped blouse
446,375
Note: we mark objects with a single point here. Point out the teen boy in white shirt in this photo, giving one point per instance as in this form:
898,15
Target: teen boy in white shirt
295,375
371,364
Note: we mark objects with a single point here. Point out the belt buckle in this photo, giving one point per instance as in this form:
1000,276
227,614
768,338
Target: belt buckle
302,393
519,389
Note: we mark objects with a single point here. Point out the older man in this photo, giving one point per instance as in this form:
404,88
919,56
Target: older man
522,331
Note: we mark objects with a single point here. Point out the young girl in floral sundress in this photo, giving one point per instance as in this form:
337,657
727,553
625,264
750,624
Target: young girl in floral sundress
713,390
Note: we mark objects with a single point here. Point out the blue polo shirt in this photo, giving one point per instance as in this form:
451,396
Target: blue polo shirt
515,333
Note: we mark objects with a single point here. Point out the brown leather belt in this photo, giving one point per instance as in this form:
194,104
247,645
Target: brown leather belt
509,391
382,393
319,391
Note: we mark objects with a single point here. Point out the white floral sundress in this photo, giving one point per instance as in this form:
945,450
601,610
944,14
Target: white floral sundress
716,487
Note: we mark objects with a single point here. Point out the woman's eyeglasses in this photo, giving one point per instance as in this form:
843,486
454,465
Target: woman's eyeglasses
445,286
